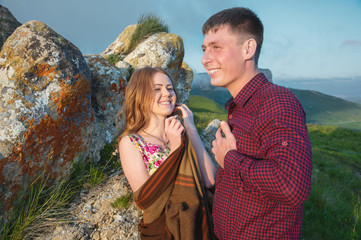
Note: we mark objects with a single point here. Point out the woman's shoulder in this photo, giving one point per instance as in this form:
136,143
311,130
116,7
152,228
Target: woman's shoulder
134,140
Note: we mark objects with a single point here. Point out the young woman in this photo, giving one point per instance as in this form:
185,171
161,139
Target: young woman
154,137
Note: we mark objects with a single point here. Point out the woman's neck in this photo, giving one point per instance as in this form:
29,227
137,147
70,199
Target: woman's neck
156,127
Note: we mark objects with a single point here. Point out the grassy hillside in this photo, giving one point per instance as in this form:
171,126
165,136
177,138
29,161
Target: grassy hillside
205,110
320,108
333,210
328,110
219,95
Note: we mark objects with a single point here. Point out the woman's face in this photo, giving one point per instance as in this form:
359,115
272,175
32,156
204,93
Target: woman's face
164,95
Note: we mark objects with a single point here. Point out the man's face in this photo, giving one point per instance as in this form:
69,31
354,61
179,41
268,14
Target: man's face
222,57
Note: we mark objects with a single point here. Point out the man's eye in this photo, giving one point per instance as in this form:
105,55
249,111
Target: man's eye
170,89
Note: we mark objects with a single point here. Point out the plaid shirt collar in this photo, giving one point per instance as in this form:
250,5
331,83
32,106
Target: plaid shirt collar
247,91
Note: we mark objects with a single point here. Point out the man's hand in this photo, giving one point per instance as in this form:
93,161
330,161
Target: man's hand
221,145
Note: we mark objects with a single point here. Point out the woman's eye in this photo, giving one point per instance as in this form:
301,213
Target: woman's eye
157,89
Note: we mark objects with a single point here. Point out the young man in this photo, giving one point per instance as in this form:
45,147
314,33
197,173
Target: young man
265,153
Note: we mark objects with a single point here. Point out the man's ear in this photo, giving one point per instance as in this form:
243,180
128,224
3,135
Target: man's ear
249,48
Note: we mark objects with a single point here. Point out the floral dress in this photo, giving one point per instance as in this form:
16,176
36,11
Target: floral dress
153,154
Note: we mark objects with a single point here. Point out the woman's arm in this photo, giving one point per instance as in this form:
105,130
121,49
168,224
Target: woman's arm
206,165
132,164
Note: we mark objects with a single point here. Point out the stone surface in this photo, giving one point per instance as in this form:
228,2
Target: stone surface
184,83
107,91
121,45
45,106
92,215
164,50
207,136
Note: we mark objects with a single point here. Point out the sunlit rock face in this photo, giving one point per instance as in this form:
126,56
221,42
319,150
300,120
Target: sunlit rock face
45,107
121,45
164,50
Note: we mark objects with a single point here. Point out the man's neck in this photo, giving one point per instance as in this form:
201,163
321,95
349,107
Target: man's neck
239,85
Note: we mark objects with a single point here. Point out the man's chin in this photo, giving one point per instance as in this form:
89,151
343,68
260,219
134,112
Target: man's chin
216,83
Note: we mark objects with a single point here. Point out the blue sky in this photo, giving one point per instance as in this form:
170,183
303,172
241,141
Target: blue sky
303,38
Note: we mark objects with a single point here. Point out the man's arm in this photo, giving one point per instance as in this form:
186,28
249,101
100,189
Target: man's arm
284,173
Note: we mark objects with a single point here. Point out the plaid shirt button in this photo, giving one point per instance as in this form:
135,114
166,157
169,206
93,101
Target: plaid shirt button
284,144
230,116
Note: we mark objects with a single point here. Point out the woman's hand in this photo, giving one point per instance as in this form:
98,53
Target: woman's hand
187,116
174,130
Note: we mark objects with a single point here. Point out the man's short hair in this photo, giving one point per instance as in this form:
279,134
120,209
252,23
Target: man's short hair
242,21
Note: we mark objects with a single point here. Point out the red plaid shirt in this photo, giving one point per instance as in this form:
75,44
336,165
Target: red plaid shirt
261,190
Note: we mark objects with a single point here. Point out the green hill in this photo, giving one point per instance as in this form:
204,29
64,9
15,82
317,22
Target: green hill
320,108
205,110
328,110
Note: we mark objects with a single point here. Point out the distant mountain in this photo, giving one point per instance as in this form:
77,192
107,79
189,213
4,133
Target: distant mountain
320,108
8,24
329,110
348,88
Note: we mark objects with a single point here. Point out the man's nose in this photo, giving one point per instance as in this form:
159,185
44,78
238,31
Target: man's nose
205,58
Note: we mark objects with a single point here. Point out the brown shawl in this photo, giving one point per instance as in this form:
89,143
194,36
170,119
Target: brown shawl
174,201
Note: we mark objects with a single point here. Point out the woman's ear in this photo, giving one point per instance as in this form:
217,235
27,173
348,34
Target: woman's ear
249,48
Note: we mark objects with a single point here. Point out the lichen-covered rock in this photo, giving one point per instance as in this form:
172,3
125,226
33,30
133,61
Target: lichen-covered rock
125,68
208,135
45,107
164,50
184,83
121,45
107,90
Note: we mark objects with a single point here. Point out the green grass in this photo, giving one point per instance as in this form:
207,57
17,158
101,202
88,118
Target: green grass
38,209
123,201
333,209
44,204
205,110
113,58
147,24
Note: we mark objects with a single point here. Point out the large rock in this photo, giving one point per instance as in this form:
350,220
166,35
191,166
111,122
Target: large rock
164,50
8,24
108,87
45,107
121,45
184,83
